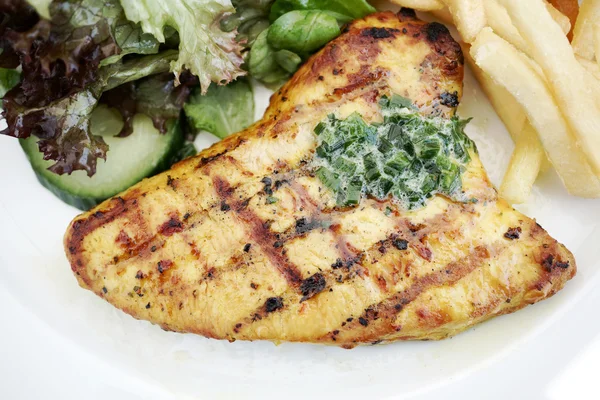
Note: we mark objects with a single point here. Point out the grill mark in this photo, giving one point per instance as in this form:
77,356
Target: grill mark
231,143
350,264
172,227
235,263
389,308
363,79
237,260
331,279
142,250
260,234
82,227
363,317
308,203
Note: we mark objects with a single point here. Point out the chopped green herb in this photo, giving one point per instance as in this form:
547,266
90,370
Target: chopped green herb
408,156
271,199
329,179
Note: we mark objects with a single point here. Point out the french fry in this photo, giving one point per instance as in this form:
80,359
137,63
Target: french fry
591,67
468,16
508,109
562,20
583,34
499,20
524,166
592,76
529,157
552,51
443,14
569,8
503,63
597,41
421,5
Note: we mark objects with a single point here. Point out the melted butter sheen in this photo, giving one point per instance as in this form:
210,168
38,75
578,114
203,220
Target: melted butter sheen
408,157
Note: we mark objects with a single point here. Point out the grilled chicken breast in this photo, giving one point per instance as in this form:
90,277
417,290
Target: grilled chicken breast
201,249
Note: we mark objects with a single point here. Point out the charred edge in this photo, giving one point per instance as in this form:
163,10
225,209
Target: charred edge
550,263
231,143
207,160
434,30
442,42
449,99
379,33
390,307
171,182
83,227
407,14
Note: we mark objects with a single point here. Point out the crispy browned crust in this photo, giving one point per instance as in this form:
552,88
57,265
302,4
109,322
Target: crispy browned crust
198,249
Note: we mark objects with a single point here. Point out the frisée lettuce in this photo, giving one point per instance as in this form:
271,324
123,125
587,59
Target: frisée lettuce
208,52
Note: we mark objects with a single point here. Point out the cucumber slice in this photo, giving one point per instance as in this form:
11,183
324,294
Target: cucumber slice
129,160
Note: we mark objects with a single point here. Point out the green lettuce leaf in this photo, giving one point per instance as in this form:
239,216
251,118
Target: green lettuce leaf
63,125
352,9
208,52
223,110
8,79
157,96
42,7
251,17
303,32
131,40
263,63
67,62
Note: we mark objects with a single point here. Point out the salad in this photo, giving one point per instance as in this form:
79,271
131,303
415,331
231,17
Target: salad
103,93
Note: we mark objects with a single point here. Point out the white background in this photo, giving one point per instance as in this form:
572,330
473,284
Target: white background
58,341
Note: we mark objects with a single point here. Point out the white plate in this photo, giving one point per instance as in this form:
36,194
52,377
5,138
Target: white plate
77,343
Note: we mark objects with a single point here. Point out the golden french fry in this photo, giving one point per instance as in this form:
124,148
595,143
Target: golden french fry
592,76
508,109
561,19
552,51
529,157
583,34
499,20
504,64
597,41
524,166
569,8
592,67
443,14
421,5
468,16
